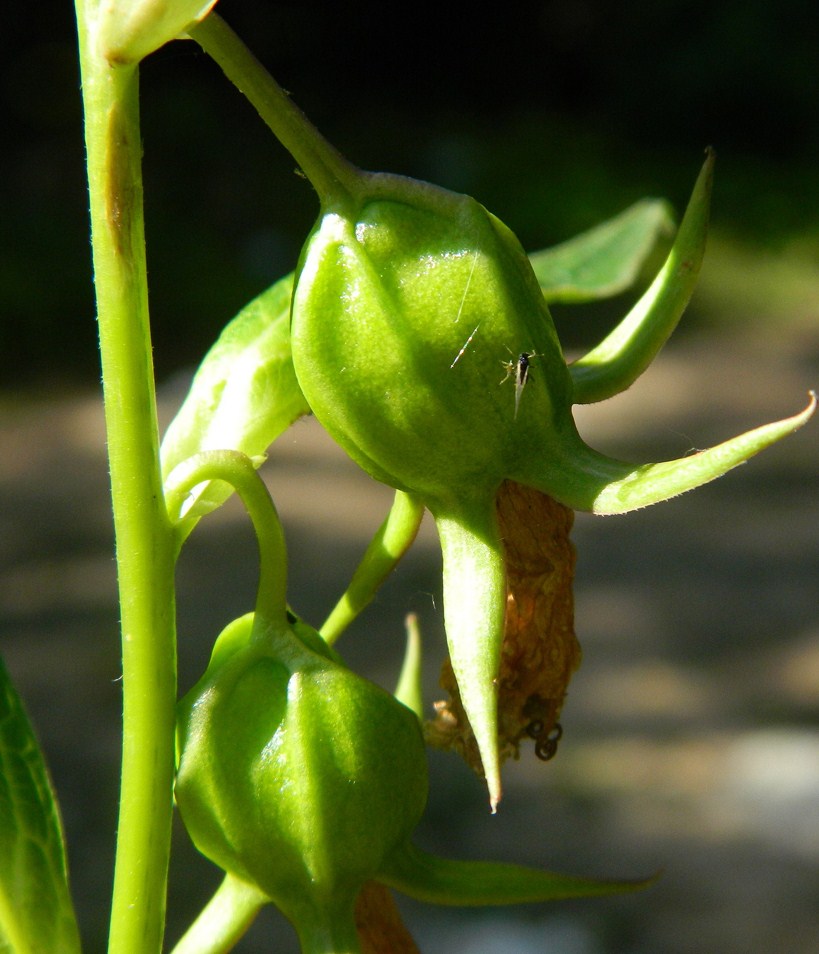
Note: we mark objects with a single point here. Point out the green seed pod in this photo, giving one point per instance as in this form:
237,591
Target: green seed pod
295,774
419,305
422,342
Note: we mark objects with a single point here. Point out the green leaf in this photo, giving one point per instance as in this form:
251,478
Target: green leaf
607,259
243,396
36,913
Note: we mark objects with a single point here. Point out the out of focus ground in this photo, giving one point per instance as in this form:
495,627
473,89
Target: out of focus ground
691,731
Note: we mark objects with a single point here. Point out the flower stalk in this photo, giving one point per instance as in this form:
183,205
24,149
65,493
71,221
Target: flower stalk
236,469
331,175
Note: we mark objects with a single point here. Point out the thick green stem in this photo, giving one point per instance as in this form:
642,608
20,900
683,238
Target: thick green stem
324,933
145,552
332,176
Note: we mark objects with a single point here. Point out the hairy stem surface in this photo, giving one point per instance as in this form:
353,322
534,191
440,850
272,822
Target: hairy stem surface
144,541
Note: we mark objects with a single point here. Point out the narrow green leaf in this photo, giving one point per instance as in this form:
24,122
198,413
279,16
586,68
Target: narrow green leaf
607,259
243,396
36,913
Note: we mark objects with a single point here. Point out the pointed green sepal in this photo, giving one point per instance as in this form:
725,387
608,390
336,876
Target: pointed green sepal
438,880
622,356
583,479
243,396
607,259
36,913
474,605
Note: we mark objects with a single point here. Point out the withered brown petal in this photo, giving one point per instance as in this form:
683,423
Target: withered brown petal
540,650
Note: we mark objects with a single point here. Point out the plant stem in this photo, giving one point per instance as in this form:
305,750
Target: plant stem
333,177
391,542
236,469
144,540
325,933
224,920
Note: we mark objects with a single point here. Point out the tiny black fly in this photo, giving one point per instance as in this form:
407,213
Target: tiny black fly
520,370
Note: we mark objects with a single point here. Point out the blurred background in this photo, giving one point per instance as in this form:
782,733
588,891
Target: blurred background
692,730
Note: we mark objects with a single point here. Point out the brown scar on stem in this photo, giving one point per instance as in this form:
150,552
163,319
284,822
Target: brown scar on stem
121,190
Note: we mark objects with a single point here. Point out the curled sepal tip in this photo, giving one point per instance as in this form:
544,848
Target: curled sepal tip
237,470
621,357
587,480
448,881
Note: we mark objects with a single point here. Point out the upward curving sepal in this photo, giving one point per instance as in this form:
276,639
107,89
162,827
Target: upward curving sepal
583,479
622,356
409,689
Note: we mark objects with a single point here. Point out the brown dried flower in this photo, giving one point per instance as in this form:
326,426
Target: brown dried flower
540,650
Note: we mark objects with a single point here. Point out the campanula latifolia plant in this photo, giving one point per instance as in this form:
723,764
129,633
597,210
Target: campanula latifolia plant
417,331
407,299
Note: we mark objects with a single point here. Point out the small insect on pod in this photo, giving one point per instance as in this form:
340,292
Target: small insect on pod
520,370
